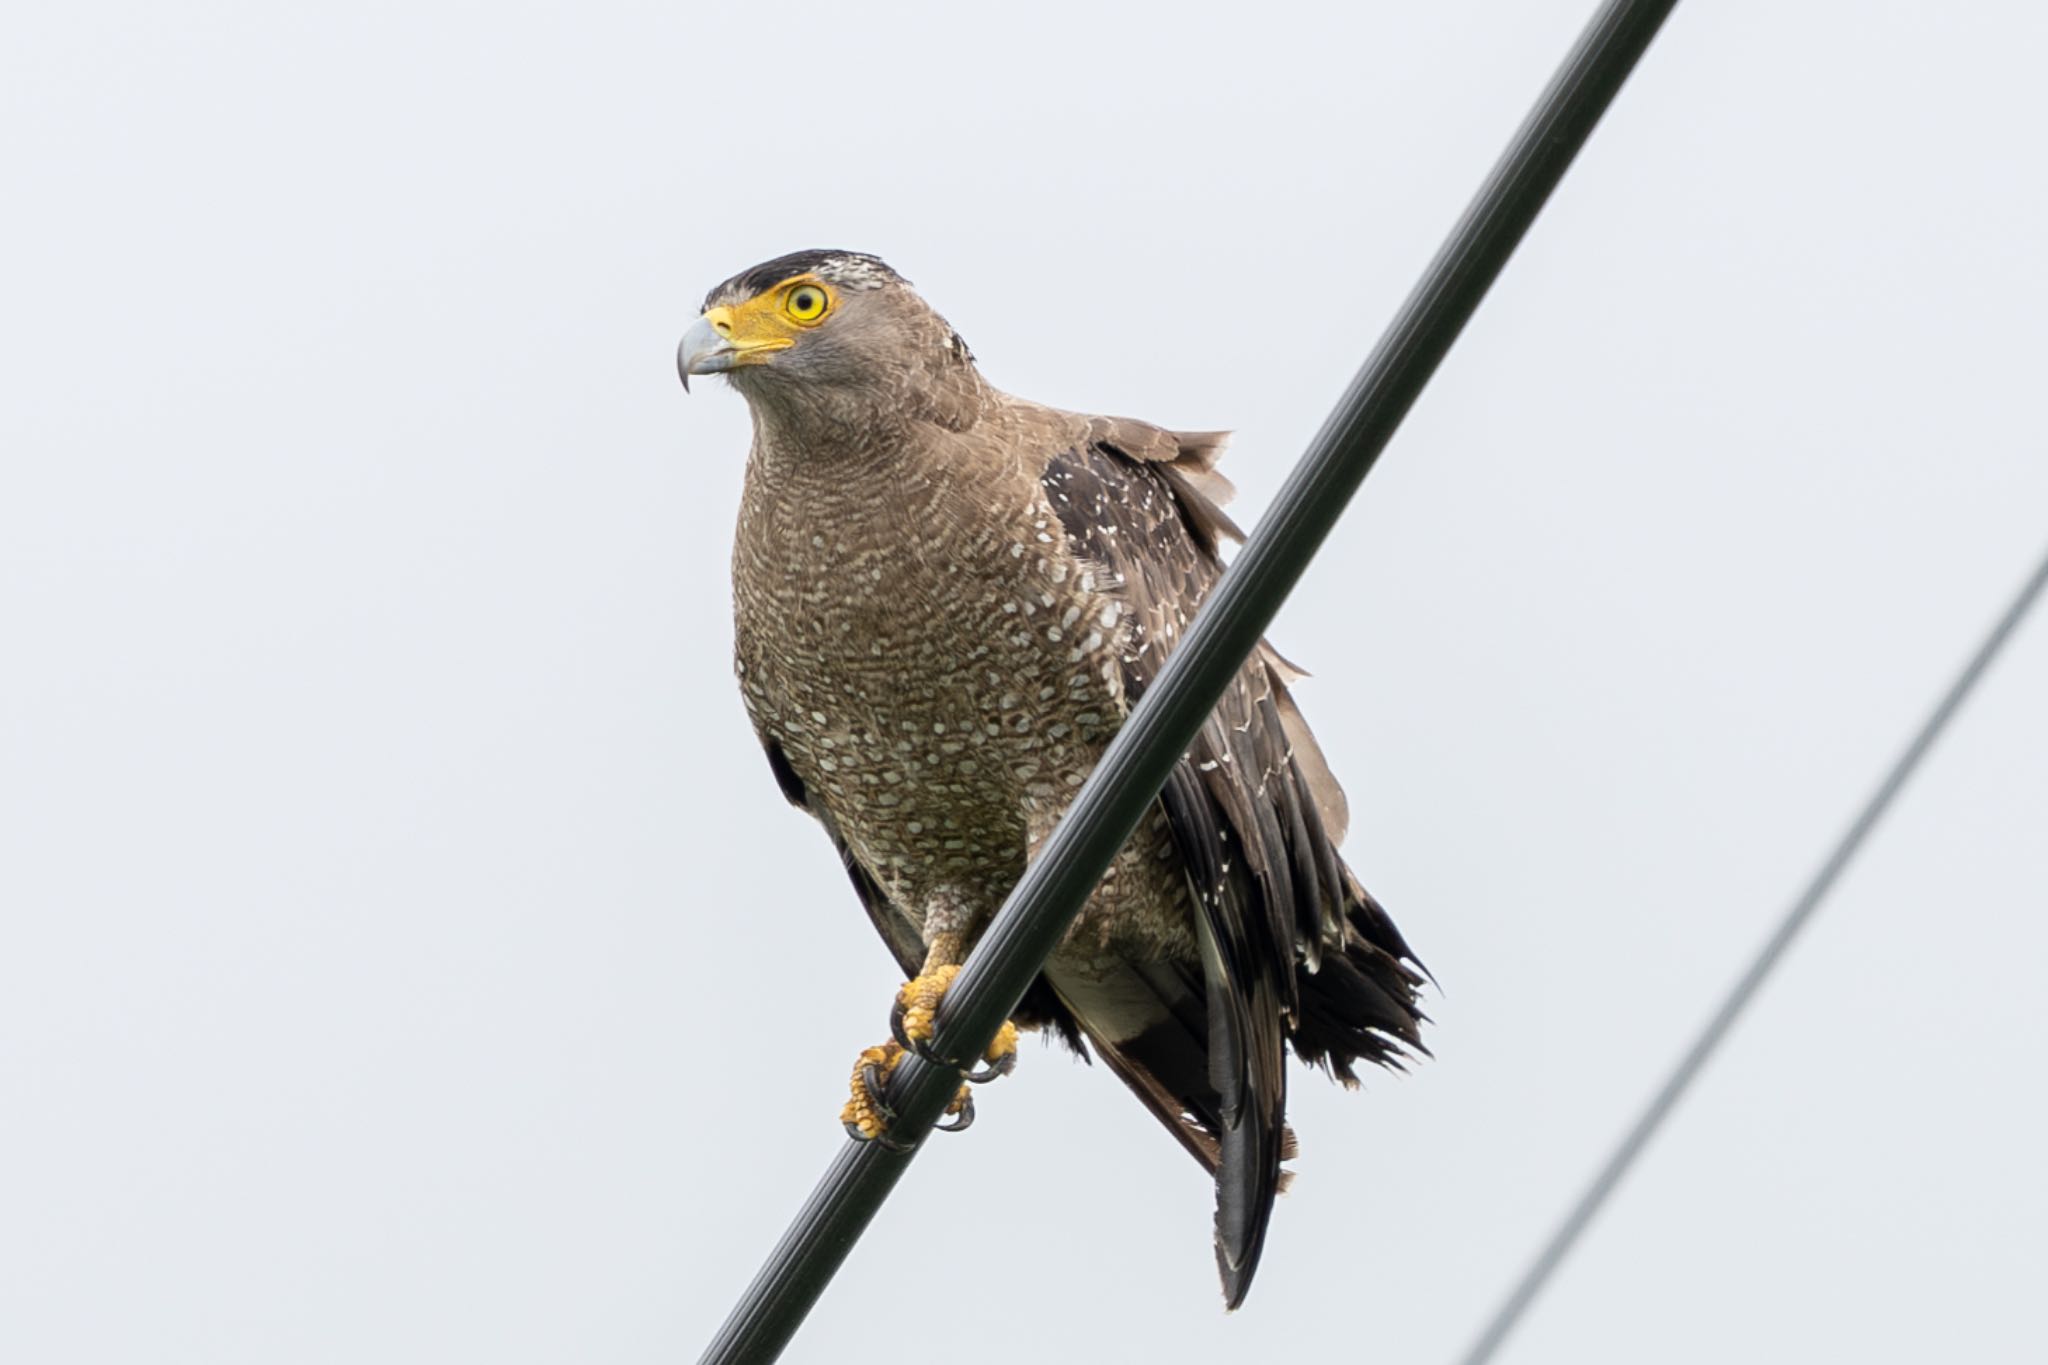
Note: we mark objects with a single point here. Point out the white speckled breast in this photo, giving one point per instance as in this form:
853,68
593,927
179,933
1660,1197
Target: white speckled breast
942,691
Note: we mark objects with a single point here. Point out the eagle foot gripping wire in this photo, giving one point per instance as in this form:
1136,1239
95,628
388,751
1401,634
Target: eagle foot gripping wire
913,1018
867,1114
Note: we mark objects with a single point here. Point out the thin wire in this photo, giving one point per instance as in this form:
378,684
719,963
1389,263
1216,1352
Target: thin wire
1717,1028
1128,778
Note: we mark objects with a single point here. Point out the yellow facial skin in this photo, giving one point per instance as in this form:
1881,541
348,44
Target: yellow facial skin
773,320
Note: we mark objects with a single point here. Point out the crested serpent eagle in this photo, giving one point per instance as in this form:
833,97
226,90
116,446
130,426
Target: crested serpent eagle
946,601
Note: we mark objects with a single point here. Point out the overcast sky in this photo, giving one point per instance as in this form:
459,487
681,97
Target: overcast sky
407,956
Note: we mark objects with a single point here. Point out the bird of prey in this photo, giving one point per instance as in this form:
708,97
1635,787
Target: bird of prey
946,601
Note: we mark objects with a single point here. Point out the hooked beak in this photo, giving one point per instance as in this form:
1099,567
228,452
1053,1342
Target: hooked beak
709,347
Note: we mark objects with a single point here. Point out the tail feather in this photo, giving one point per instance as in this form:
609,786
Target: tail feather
1241,934
1179,1040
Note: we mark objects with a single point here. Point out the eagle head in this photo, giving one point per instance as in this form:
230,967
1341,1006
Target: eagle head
839,319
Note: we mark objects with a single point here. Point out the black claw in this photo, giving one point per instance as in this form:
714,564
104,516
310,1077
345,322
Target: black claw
982,1075
961,1121
922,1048
881,1139
896,1026
871,1076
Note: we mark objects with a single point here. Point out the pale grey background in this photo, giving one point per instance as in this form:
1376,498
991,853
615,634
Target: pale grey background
407,957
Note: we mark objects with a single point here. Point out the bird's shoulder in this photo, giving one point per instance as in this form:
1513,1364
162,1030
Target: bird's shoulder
1140,507
1127,456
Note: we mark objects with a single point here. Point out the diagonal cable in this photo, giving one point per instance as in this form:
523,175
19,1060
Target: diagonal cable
1135,766
1561,1242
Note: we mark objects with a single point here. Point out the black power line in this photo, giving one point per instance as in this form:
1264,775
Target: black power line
1127,780
1752,979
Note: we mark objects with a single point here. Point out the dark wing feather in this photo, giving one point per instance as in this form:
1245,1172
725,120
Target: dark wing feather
1292,948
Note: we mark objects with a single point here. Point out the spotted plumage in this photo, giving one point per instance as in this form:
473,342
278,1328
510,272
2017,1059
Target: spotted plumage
947,600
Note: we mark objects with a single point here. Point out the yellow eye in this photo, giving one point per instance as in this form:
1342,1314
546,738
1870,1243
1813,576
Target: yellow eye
806,303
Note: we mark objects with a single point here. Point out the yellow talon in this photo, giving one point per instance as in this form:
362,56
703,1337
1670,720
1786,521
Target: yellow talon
914,1019
866,1116
919,999
1001,1055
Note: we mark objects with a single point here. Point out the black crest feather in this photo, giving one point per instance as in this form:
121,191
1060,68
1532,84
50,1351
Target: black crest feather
855,269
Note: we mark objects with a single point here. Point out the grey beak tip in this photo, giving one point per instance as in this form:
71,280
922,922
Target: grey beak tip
683,366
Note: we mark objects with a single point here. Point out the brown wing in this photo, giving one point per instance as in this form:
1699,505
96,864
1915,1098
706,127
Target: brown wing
1291,946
